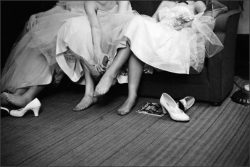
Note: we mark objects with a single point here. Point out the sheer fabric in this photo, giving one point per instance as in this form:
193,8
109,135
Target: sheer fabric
32,60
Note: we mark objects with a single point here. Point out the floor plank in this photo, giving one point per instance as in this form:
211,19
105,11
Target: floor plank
214,136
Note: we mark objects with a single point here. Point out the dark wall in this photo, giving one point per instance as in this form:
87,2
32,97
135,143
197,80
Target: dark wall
14,14
242,56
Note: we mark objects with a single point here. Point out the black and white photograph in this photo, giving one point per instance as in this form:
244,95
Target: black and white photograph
125,83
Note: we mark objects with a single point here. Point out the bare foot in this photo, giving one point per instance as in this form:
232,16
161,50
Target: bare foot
16,100
85,103
127,106
104,85
4,101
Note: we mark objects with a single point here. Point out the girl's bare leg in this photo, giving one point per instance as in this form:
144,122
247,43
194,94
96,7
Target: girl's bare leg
21,100
135,69
21,91
88,98
111,73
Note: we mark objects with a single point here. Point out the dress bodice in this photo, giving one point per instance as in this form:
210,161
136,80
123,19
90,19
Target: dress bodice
74,6
175,16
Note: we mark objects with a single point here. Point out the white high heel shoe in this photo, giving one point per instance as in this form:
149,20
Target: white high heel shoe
5,110
34,105
169,105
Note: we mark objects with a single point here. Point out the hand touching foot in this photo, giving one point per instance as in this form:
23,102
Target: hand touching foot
85,103
127,106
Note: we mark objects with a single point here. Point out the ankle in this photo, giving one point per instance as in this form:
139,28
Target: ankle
91,95
132,96
26,99
112,73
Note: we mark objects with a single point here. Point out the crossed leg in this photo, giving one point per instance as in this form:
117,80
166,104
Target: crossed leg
5,95
22,96
110,75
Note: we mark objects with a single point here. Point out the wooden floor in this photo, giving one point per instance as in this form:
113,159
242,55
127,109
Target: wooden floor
215,136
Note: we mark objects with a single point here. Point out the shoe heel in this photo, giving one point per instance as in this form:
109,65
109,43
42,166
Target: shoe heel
163,109
36,111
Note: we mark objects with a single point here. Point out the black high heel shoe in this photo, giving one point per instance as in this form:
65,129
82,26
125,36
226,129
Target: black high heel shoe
186,103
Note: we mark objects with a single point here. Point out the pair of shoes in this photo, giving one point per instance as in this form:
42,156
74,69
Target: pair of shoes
186,103
169,105
34,105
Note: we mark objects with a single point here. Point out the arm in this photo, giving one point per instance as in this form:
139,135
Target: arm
33,18
123,6
199,7
91,8
155,15
41,14
163,4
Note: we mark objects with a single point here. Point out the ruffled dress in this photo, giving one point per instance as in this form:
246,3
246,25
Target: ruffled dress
32,60
75,35
159,45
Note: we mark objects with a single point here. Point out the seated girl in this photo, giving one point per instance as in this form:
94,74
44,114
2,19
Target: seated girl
31,64
87,54
174,39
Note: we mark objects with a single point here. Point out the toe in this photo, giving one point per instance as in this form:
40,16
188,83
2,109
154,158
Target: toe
122,112
76,109
95,94
4,95
119,112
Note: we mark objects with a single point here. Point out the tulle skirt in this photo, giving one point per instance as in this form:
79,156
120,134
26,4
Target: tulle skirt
164,48
32,60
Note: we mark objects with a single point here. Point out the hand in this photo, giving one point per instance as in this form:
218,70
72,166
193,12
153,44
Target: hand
31,22
178,28
102,62
100,68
